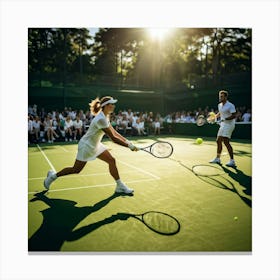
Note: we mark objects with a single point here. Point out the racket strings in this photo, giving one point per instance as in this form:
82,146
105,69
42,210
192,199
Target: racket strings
161,222
200,120
161,150
211,118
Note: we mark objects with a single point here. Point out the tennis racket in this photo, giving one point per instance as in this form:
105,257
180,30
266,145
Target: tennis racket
158,222
200,121
211,119
159,149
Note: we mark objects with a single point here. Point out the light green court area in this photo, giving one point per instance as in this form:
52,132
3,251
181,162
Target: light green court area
80,213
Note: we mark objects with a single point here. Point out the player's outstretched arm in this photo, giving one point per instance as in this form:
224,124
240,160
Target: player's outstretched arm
118,139
117,134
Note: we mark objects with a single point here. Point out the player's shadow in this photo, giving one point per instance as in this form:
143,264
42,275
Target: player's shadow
243,179
220,181
60,219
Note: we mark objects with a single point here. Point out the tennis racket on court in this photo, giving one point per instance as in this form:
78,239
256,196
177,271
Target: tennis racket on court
158,222
159,149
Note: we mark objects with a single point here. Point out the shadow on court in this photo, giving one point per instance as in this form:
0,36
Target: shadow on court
218,179
61,218
243,179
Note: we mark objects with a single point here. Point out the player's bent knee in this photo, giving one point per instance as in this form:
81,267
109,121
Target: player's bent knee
112,160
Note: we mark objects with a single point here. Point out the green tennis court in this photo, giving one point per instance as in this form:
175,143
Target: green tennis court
80,213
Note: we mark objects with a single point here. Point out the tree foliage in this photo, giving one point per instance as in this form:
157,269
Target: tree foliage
130,57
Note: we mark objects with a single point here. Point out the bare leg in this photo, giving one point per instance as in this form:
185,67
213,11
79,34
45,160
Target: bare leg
107,157
229,147
219,146
48,134
77,168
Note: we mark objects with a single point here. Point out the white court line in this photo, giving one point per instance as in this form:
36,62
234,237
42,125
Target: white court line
50,164
80,175
63,149
95,186
139,169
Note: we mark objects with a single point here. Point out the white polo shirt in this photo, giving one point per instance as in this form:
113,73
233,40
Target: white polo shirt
226,110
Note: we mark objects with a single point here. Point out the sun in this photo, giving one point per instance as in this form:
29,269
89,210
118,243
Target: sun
158,33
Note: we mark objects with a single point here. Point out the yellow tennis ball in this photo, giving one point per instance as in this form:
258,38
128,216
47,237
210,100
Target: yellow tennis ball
235,218
199,141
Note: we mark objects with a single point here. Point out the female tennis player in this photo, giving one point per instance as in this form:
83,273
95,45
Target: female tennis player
90,146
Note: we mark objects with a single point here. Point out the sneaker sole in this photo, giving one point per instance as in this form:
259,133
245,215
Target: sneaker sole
125,192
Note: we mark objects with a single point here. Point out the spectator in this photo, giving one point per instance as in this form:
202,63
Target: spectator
78,128
247,116
68,129
139,127
36,128
124,123
49,129
30,129
157,126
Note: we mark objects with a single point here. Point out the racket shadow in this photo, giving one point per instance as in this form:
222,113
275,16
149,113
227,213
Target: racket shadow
214,176
158,222
223,183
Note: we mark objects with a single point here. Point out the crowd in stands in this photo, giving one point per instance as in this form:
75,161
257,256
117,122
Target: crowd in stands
243,114
70,125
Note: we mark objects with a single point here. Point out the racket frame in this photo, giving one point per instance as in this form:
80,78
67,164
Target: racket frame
141,218
148,149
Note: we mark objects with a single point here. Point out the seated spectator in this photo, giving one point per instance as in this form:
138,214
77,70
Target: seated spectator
78,128
36,128
49,129
150,122
157,126
247,117
139,126
30,129
124,123
68,126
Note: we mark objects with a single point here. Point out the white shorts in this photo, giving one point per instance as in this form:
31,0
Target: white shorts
226,130
87,153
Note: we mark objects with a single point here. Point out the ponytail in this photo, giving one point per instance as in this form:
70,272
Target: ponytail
95,106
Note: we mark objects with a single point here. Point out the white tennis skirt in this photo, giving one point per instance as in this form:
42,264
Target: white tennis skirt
226,130
87,153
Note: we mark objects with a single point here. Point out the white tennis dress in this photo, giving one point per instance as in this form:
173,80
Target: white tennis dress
90,146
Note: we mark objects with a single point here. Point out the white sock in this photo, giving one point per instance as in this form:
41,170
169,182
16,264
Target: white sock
118,181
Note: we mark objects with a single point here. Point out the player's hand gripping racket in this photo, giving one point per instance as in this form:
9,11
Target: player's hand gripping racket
159,149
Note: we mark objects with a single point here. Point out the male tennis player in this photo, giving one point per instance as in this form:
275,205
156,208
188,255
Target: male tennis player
227,115
90,146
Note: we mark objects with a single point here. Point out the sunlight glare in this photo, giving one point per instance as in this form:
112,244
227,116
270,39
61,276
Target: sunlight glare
158,33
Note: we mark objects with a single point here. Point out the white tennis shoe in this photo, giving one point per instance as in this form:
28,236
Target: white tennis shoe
231,163
122,188
51,176
215,160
